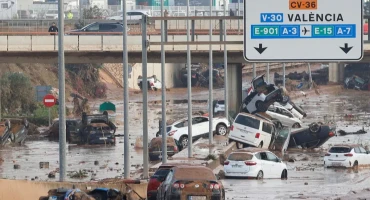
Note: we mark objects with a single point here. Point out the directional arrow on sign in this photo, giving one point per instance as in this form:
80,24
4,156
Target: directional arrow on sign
261,49
346,49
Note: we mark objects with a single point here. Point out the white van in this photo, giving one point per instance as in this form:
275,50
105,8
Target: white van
251,130
285,116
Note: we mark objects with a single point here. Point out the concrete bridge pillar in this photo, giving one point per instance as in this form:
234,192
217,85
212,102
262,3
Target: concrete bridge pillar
336,72
234,77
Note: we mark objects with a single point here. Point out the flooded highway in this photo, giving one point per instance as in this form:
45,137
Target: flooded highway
332,107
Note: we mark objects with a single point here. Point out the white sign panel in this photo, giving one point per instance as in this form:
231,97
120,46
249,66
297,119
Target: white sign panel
303,30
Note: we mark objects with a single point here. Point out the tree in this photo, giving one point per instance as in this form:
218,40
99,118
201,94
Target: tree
17,94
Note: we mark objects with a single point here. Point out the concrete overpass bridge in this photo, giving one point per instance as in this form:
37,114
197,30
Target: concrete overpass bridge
107,48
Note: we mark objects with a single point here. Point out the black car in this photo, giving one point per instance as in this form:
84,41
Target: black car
99,27
313,136
356,82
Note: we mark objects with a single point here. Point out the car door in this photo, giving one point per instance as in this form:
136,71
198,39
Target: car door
365,156
164,185
200,127
288,116
276,167
266,132
265,164
93,28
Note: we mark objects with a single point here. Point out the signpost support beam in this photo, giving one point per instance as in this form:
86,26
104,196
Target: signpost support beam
62,92
144,85
268,73
283,74
126,131
210,89
190,109
163,79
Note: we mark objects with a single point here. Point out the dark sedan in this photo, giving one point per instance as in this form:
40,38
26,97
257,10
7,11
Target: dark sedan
99,28
191,182
312,136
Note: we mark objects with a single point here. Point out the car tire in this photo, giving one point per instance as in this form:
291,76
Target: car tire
259,175
296,125
221,129
239,145
355,165
184,141
314,127
284,175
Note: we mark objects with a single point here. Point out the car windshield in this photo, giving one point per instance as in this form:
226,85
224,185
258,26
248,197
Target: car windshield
340,150
240,156
194,174
248,121
161,172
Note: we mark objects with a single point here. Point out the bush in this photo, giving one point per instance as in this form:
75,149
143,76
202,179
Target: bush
17,93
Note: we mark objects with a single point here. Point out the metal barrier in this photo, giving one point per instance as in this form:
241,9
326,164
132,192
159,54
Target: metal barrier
173,25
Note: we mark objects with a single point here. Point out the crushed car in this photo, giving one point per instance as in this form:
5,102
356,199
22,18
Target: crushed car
261,96
155,148
19,130
357,83
153,83
91,129
4,131
313,136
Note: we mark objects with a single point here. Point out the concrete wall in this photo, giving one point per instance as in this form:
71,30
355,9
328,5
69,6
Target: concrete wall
172,72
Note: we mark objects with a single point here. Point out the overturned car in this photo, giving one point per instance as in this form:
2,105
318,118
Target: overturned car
261,96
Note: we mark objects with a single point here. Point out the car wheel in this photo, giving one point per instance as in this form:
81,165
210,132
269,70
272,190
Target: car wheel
239,145
314,127
355,166
296,125
284,175
259,175
184,141
221,129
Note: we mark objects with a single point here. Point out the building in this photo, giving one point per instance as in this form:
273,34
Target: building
8,9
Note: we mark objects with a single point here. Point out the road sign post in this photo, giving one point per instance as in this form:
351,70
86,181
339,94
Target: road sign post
296,30
49,101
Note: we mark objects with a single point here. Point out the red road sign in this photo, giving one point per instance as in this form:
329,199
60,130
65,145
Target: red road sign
49,100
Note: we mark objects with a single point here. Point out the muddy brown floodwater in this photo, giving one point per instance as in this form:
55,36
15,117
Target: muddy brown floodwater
307,178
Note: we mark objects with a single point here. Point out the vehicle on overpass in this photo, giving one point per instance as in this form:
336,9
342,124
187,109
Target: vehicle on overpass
98,28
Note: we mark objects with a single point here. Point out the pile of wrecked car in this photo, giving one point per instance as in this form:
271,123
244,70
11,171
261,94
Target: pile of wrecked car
254,127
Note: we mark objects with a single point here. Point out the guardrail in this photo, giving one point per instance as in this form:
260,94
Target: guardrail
27,43
173,25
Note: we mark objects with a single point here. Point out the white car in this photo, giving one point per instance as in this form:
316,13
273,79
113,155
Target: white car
256,163
179,129
52,14
153,83
218,106
296,110
347,155
133,16
284,116
261,96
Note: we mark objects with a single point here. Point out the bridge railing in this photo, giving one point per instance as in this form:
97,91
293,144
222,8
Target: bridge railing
173,25
110,42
